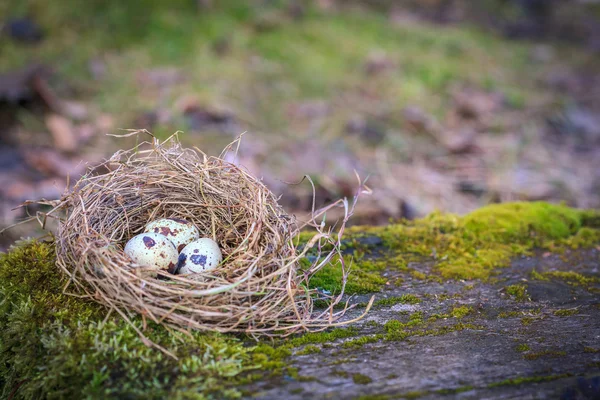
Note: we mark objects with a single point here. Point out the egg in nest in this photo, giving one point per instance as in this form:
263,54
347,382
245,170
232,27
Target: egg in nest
153,250
200,255
178,231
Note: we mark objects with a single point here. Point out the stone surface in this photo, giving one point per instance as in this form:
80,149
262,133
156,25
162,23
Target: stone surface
546,345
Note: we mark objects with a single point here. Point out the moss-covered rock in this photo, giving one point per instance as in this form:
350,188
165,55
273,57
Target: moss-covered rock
55,345
469,247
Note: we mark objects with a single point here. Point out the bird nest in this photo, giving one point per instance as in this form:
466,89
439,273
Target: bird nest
261,287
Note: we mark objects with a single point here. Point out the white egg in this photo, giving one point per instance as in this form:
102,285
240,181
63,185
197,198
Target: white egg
179,231
200,255
152,250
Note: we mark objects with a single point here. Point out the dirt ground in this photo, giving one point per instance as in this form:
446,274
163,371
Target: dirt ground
442,104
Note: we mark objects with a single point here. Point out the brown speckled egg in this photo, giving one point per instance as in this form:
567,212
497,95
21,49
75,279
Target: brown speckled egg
153,250
200,255
178,231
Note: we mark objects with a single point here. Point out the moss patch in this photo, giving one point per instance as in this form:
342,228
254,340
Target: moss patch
571,277
361,379
545,353
310,349
469,247
566,312
518,292
461,312
364,278
529,379
404,299
523,347
55,345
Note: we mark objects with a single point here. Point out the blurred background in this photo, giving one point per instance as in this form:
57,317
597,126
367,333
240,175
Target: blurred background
445,104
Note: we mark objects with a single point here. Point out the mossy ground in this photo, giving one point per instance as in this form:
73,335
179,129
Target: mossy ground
470,247
57,346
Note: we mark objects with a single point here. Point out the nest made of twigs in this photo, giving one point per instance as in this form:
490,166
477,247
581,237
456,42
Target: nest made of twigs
260,288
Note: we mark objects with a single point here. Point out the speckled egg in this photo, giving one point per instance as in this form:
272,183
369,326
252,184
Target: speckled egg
200,255
152,250
178,231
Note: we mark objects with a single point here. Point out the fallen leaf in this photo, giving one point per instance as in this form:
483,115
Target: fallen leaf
63,134
51,163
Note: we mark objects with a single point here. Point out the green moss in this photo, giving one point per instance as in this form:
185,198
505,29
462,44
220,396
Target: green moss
523,347
545,353
585,237
361,379
322,337
529,379
418,275
310,349
509,314
339,361
413,395
566,312
518,292
303,378
588,349
523,222
447,329
461,312
404,299
361,341
455,391
469,247
526,321
365,277
537,276
340,373
55,345
472,247
395,330
374,397
572,278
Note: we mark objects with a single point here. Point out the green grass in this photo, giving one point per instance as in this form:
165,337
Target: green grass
321,56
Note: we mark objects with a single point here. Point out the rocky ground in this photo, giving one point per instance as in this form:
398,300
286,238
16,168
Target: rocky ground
469,341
